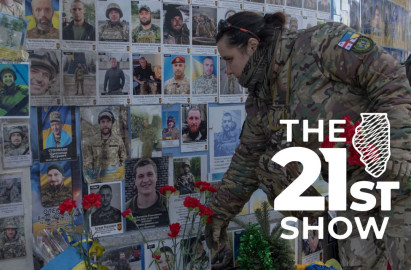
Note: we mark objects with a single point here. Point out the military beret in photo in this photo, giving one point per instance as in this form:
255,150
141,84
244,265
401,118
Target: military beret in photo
178,59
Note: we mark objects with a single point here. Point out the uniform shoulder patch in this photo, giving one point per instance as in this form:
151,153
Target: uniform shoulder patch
348,40
363,45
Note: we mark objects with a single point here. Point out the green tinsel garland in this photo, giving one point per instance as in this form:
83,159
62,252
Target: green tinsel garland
254,251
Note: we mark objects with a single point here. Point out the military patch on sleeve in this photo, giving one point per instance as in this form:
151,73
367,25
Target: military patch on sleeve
348,40
363,45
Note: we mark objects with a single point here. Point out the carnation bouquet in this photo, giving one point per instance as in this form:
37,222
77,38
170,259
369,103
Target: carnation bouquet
198,215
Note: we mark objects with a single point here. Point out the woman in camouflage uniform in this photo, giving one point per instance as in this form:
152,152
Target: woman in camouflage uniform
314,74
14,99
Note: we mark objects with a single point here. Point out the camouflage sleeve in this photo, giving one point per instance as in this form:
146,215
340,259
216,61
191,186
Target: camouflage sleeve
158,35
376,75
240,181
122,154
87,157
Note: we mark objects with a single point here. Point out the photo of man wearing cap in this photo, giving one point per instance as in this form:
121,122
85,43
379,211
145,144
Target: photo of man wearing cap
179,83
58,136
44,73
170,132
105,152
54,190
175,28
113,29
16,141
146,31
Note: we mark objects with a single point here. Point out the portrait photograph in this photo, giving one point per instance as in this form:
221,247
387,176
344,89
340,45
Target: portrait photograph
226,125
354,21
176,24
16,145
107,219
324,5
310,4
204,75
147,74
199,254
194,123
43,19
170,125
10,189
44,75
55,183
78,20
13,7
146,131
176,74
79,74
104,141
312,245
295,3
12,31
146,22
144,179
124,257
187,171
228,82
57,133
12,230
276,2
113,20
14,90
204,25
167,255
114,73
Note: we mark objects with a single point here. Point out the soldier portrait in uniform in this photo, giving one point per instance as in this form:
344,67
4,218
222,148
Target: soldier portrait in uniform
228,82
170,132
16,140
106,214
176,21
114,73
58,136
145,79
147,21
204,25
295,3
81,26
115,25
146,131
324,5
148,205
12,242
104,143
184,178
10,189
227,140
124,257
44,12
44,73
310,4
176,74
79,74
204,75
55,183
194,128
166,261
12,7
14,91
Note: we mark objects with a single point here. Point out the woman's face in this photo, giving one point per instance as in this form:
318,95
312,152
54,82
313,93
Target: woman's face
8,78
235,58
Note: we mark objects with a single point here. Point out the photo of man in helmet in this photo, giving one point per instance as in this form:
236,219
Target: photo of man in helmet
114,29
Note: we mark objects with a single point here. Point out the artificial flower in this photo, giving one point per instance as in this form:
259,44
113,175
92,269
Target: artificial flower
91,200
174,229
68,206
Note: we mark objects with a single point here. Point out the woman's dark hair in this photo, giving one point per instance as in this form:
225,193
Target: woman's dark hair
262,27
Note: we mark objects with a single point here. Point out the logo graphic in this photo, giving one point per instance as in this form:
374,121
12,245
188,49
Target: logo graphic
372,141
348,40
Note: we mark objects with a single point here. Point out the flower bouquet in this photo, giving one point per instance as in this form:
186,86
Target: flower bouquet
181,254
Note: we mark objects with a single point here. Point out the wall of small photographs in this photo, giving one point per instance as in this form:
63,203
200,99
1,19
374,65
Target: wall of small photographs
110,83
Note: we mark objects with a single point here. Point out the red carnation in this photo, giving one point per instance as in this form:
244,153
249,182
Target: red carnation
209,188
327,144
191,202
126,213
200,184
68,206
156,256
91,200
347,121
205,211
174,229
167,190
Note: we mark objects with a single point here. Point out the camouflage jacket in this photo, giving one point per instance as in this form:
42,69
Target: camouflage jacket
152,35
104,154
185,183
16,10
118,31
51,196
205,85
326,82
11,195
173,86
12,248
11,150
14,100
177,37
101,217
52,33
79,74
